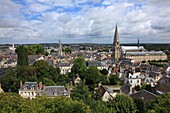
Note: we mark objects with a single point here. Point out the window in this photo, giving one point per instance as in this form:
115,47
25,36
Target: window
26,87
33,87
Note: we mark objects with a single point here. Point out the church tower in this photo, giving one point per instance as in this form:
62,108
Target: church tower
116,46
60,48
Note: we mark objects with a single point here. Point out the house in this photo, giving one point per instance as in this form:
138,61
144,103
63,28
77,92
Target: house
108,92
64,67
167,69
126,88
155,75
2,61
134,79
29,89
143,95
163,85
34,58
150,80
52,91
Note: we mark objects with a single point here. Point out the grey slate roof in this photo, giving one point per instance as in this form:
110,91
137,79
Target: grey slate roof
125,88
143,94
145,52
29,86
51,91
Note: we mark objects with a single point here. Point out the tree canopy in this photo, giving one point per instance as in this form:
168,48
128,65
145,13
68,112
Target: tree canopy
79,67
22,55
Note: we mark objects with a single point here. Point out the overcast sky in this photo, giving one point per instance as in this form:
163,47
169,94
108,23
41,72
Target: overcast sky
84,21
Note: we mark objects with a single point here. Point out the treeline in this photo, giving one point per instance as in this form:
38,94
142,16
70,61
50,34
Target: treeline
40,71
13,103
158,47
159,63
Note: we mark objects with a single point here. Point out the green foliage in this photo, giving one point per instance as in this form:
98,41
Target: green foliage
148,88
122,104
9,81
36,49
161,104
40,71
140,105
22,55
79,67
81,92
68,50
137,88
52,50
113,80
12,103
92,77
159,63
104,71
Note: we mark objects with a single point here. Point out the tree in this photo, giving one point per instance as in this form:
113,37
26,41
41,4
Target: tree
22,55
137,88
68,50
122,104
113,79
104,71
13,103
79,67
92,77
161,104
81,92
36,49
9,81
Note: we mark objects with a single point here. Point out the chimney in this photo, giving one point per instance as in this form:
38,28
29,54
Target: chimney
20,84
40,85
36,91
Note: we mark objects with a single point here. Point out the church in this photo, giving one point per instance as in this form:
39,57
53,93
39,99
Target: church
135,53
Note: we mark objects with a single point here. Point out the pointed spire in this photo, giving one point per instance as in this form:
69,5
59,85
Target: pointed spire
138,42
116,36
60,48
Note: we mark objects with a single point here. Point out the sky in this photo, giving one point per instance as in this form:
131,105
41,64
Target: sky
84,21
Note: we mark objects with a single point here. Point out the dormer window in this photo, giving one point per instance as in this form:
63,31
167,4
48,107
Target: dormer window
26,87
33,87
55,92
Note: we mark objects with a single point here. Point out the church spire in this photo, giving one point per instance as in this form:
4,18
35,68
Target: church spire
116,46
60,48
138,42
116,36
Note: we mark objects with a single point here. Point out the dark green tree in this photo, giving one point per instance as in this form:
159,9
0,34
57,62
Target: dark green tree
122,104
104,71
92,77
79,67
22,55
36,49
113,79
9,81
161,104
81,92
137,88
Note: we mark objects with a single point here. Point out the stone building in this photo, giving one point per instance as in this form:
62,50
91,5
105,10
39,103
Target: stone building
135,53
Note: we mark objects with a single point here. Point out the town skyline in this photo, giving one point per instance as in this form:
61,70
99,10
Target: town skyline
85,21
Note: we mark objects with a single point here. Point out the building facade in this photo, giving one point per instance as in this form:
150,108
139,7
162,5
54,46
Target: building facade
135,53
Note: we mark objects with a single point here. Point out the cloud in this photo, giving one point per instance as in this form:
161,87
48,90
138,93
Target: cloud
36,21
39,7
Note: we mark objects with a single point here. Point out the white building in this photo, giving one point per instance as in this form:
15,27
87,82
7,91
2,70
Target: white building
134,79
28,90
